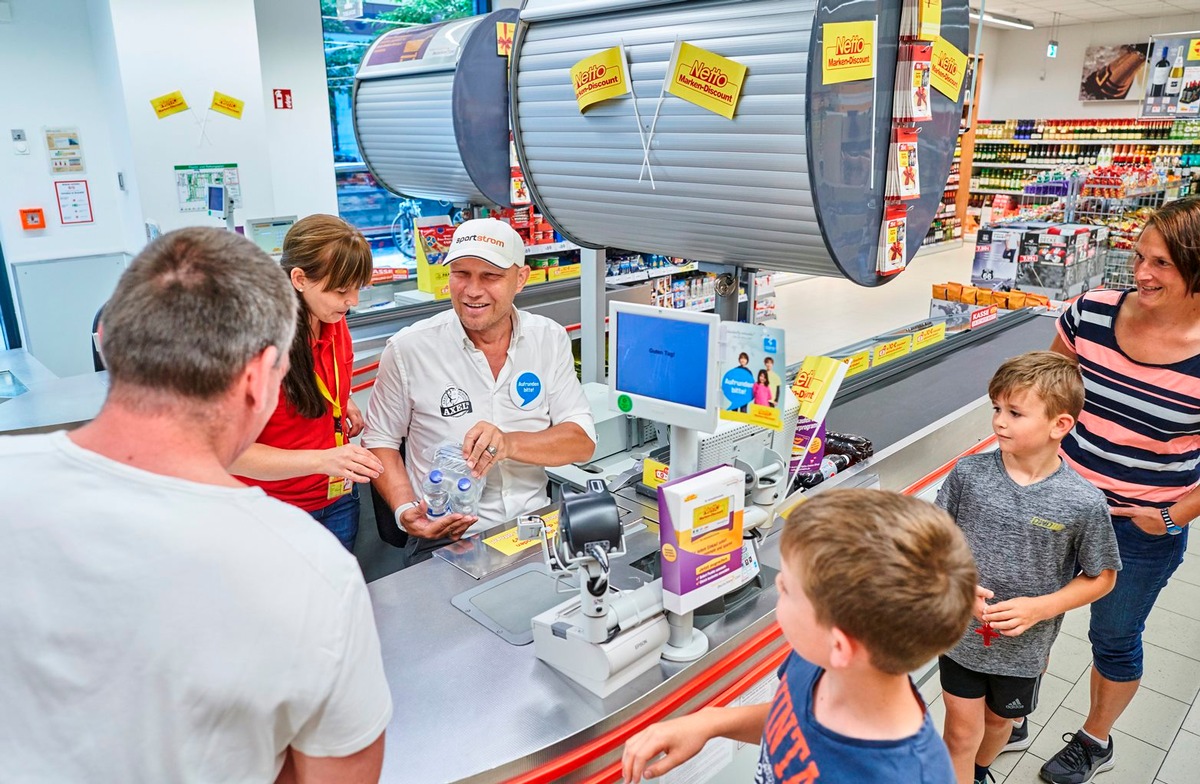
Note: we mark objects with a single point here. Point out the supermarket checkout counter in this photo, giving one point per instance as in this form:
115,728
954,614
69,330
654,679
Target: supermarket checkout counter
471,706
34,400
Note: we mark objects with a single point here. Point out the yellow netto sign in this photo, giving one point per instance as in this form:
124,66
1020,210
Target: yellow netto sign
947,69
849,52
706,79
599,77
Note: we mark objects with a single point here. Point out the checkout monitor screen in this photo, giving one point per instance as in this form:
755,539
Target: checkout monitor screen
662,358
216,199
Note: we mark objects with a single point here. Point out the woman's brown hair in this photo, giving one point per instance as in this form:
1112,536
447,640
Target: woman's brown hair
334,255
1178,222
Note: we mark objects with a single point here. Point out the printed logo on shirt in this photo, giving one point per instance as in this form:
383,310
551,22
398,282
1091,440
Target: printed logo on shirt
1049,525
455,402
784,745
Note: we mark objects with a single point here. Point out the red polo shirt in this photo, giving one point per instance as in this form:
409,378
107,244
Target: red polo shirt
287,429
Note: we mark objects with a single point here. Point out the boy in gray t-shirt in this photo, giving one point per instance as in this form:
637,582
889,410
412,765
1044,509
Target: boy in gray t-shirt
1043,542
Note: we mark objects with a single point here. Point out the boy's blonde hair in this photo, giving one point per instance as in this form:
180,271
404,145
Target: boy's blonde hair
1055,379
889,570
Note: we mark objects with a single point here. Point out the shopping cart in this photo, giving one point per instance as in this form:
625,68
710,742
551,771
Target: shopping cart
1118,268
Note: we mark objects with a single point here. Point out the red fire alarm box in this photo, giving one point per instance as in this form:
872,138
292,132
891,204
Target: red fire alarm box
33,219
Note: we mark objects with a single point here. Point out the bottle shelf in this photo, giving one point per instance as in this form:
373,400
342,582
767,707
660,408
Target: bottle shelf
1085,140
999,165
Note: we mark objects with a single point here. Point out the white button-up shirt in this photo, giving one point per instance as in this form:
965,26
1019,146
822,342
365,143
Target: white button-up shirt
433,385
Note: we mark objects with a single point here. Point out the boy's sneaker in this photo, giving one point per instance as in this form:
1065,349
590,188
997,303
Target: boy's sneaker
1019,740
988,778
1079,761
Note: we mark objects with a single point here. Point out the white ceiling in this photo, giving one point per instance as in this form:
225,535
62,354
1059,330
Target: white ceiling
1041,12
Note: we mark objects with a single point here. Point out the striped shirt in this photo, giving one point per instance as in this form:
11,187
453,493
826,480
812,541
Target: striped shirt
1138,438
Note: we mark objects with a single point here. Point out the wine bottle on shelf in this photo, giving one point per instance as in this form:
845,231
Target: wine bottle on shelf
1158,78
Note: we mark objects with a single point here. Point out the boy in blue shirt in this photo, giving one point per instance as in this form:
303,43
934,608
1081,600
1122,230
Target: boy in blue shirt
872,585
1044,544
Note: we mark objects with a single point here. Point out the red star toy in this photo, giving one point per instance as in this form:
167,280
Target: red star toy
988,633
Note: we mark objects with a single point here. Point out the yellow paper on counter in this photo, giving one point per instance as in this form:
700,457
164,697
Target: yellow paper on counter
171,103
508,543
893,349
948,68
849,53
706,79
929,336
654,473
858,362
227,105
599,77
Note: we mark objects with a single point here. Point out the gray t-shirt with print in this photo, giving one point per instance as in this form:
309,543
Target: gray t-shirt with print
1027,541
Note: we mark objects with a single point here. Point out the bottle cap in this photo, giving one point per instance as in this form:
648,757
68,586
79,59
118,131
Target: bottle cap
464,484
435,476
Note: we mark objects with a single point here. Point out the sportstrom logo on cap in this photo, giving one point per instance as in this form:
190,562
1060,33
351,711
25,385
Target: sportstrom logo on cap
479,238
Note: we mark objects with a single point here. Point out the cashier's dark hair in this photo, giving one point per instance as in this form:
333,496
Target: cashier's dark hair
1178,222
192,310
334,255
891,571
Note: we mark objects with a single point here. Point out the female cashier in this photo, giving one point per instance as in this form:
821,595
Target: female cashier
304,456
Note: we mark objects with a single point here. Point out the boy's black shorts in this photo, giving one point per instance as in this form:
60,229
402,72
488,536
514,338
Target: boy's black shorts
1005,695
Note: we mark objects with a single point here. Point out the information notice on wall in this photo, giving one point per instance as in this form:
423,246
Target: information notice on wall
192,181
74,201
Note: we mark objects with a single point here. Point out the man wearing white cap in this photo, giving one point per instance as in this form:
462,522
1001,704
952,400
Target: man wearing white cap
500,381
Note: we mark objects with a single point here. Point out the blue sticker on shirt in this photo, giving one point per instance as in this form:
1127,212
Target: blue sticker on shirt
526,390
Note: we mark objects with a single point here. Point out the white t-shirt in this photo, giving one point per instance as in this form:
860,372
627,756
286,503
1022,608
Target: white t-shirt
155,629
433,385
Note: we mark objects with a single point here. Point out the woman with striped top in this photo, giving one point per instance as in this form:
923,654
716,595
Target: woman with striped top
1138,440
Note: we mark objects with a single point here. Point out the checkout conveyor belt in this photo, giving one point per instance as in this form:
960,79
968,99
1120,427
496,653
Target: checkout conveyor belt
891,409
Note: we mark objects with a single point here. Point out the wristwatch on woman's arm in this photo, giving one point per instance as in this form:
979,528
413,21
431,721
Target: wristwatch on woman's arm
1172,529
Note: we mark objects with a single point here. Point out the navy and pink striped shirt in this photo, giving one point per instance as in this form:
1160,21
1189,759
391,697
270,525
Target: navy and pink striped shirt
1138,438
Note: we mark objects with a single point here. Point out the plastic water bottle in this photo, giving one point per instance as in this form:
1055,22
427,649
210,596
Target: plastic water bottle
437,496
462,497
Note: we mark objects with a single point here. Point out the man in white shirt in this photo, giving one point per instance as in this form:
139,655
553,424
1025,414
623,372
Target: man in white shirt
159,620
500,382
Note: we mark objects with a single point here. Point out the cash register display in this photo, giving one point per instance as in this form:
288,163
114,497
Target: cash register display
664,365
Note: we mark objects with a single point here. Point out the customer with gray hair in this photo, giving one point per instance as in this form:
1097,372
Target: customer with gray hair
159,620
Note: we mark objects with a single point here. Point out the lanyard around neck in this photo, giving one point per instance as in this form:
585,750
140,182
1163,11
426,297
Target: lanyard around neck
335,399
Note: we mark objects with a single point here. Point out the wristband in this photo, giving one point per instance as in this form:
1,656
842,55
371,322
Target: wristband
1172,528
404,507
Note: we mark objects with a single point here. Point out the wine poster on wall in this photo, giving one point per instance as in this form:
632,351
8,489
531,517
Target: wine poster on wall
1113,73
1173,87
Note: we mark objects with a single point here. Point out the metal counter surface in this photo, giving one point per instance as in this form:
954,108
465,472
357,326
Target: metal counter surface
471,707
52,403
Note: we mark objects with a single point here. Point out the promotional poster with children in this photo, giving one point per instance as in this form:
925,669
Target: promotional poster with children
752,362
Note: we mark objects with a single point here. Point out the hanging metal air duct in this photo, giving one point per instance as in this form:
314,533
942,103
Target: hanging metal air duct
794,182
431,111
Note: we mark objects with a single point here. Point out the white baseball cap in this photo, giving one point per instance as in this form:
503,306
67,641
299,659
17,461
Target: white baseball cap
494,241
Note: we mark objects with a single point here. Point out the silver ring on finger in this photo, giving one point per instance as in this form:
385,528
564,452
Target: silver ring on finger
492,450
